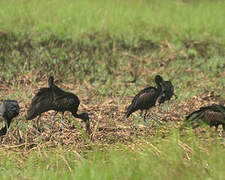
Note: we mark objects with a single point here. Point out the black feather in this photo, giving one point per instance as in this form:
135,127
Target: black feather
167,92
146,98
54,98
213,115
9,109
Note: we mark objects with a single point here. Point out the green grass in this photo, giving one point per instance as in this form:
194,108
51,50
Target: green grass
156,20
155,158
94,48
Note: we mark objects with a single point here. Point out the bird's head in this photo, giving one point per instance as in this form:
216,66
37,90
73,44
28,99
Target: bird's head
50,81
87,123
158,79
9,109
85,117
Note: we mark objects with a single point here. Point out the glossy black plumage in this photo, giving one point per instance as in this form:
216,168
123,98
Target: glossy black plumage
146,98
213,115
54,98
41,102
167,92
9,109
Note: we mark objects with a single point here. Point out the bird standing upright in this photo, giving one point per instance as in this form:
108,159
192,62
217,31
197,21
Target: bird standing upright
54,98
9,109
167,93
145,99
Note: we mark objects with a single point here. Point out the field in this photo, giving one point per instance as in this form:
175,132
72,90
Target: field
105,52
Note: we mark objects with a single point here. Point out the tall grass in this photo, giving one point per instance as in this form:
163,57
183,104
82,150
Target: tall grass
155,158
112,41
156,20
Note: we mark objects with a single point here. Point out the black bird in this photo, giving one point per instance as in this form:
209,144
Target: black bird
41,102
9,109
146,98
167,92
213,115
54,98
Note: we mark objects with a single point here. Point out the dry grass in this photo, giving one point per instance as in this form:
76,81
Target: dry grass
108,124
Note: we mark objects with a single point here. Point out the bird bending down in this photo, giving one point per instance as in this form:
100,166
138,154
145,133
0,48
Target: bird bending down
213,115
167,93
145,99
41,102
54,98
9,109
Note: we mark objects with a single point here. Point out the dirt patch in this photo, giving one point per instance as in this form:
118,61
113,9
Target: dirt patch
108,124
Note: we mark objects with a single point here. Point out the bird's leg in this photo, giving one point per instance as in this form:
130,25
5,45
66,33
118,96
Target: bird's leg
7,126
141,113
216,126
162,108
37,121
152,118
87,123
223,130
167,109
145,117
51,120
159,108
18,131
39,127
62,121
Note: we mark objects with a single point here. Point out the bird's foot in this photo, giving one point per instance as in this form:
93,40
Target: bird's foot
40,130
62,131
146,123
164,110
154,120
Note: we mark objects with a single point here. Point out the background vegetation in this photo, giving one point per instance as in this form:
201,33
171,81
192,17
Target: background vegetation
105,52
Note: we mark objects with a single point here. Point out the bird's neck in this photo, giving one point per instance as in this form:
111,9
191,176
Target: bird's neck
81,116
159,87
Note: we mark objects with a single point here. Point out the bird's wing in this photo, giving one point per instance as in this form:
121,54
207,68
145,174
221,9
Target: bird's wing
213,116
143,91
214,107
40,103
66,99
145,96
141,100
208,112
42,94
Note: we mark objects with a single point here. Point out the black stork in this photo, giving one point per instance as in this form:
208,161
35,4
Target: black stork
9,109
145,99
213,115
167,93
54,98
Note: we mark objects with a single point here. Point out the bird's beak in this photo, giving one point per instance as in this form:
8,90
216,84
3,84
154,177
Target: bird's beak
88,129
